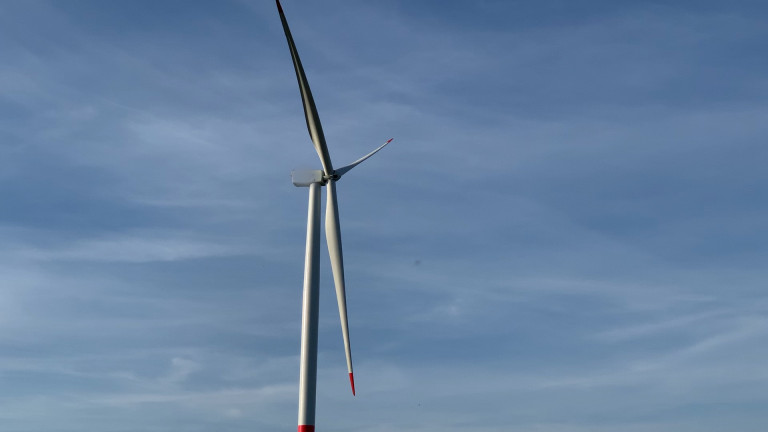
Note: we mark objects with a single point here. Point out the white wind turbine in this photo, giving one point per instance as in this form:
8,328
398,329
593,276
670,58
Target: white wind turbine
314,180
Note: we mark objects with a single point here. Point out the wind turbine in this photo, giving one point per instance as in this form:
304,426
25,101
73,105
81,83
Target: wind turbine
315,179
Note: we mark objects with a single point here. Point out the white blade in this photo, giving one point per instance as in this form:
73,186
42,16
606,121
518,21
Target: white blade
310,111
333,237
341,171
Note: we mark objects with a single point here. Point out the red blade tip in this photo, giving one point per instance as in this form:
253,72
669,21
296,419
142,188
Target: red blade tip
389,140
352,381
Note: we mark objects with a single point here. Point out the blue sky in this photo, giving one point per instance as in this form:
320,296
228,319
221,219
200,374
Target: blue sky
568,233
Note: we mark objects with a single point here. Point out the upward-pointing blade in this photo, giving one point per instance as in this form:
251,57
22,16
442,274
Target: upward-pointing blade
310,111
333,237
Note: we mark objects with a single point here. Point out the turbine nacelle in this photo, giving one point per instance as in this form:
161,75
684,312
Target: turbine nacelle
304,178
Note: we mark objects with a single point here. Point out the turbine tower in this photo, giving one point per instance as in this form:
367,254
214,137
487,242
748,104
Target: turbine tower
315,179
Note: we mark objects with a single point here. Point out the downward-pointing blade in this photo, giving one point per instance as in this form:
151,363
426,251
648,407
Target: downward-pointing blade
310,111
333,237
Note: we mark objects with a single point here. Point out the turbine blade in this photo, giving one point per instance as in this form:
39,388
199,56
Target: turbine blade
333,237
341,171
310,111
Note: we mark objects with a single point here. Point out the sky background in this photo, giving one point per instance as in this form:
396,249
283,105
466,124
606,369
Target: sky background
569,232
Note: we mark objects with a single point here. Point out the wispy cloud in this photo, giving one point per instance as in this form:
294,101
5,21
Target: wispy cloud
136,249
